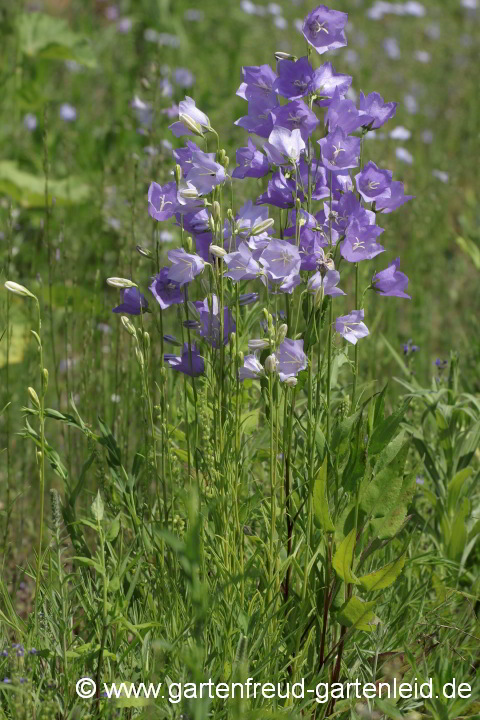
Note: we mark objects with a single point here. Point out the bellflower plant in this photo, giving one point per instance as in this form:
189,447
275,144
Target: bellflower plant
268,297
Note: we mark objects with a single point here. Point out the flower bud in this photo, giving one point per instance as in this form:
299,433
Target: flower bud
17,289
285,56
318,299
146,340
44,380
298,204
240,358
217,251
34,397
191,124
211,223
257,344
37,338
178,174
128,325
233,338
143,251
281,333
189,244
230,214
118,282
270,363
291,382
262,226
216,210
140,358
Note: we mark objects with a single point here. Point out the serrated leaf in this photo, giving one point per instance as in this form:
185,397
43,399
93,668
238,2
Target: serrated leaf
343,558
98,508
384,577
320,499
356,613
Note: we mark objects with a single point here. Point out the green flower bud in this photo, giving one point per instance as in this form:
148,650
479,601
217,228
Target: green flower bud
44,380
34,397
140,358
240,358
217,251
143,251
17,289
117,282
191,124
262,226
281,333
291,382
178,174
270,363
216,210
128,325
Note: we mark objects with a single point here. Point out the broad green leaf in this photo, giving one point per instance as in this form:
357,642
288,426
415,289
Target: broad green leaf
386,429
385,576
91,563
358,614
455,486
458,534
113,528
387,708
320,499
44,36
98,507
380,495
343,558
390,524
28,190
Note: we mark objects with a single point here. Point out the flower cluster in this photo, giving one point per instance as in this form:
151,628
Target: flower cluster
306,140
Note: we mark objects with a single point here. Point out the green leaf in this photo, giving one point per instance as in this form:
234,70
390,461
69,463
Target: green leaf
455,486
28,190
320,499
379,496
44,36
387,708
98,508
91,563
458,534
390,524
386,429
113,528
343,558
385,576
358,614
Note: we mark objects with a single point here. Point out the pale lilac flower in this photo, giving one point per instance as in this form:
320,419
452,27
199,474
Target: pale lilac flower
166,291
252,369
205,173
184,77
396,199
30,122
390,45
68,112
185,266
414,8
427,137
373,104
290,358
360,242
280,22
326,80
422,56
258,82
193,15
294,78
441,175
296,114
190,363
280,258
143,111
133,302
124,25
189,113
351,326
410,103
374,184
327,282
340,151
251,162
241,264
284,146
400,133
402,154
162,201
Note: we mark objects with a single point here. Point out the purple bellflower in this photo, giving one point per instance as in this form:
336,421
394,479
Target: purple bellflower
380,111
133,302
162,200
191,366
259,119
327,282
296,114
280,192
391,282
184,266
290,358
166,292
205,173
258,83
397,198
360,242
325,29
374,184
284,146
294,78
351,326
251,162
189,116
326,81
340,151
342,113
241,264
280,259
210,322
252,368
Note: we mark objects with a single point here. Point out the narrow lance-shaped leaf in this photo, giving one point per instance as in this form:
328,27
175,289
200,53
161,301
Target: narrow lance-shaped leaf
384,577
320,499
343,558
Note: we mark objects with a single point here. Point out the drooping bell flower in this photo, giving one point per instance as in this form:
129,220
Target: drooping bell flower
351,326
251,162
166,292
379,110
374,184
190,362
324,29
391,282
133,302
162,200
290,358
185,266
